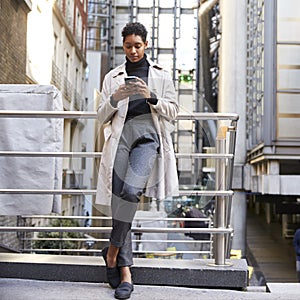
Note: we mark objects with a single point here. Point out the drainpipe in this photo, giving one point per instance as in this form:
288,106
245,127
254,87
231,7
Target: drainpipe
204,21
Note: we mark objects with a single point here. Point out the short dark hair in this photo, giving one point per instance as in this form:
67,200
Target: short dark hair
135,28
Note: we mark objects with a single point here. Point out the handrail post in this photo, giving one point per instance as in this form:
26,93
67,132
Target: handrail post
229,176
220,216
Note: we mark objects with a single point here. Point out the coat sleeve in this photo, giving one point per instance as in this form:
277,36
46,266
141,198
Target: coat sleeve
105,110
167,105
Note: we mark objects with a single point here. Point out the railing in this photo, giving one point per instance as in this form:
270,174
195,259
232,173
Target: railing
56,75
225,147
137,230
67,89
78,102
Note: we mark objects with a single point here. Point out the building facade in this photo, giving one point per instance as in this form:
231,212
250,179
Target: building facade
44,42
56,52
273,96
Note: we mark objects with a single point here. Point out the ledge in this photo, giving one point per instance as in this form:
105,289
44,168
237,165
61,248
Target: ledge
167,272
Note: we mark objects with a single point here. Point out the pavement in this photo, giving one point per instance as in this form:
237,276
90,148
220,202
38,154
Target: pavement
21,289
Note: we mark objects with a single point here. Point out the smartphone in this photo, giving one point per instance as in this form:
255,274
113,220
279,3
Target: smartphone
130,79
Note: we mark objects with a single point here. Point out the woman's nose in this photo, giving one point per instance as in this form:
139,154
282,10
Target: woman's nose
133,50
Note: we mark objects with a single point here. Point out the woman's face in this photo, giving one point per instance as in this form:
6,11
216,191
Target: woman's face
134,47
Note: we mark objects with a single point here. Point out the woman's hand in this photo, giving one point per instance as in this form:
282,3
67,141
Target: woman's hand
121,93
140,87
132,88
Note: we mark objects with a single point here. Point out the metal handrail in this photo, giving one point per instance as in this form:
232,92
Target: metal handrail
99,154
134,251
89,115
221,230
108,229
93,192
89,238
107,240
136,218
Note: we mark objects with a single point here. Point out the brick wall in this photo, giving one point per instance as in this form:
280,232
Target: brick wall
13,24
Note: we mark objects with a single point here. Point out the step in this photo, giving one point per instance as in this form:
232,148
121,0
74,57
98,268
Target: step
167,272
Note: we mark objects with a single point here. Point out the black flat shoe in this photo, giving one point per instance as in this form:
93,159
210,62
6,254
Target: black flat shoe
112,274
124,290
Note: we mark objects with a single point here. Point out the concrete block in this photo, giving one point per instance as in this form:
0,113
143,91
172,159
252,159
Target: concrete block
167,272
191,273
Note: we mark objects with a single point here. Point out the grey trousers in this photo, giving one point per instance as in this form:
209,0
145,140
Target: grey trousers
137,151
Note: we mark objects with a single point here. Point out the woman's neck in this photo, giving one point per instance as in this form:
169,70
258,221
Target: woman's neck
137,64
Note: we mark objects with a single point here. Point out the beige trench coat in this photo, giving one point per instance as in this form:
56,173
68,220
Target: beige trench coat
163,181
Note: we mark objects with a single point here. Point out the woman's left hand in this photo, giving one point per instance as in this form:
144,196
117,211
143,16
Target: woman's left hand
140,87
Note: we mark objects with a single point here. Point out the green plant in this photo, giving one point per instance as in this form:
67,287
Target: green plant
57,240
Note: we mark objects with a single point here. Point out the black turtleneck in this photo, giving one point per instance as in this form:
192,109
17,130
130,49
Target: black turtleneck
137,105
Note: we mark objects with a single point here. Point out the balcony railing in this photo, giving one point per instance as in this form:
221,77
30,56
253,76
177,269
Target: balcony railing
224,156
56,76
78,102
67,89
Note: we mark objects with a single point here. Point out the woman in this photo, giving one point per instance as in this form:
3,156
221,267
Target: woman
138,156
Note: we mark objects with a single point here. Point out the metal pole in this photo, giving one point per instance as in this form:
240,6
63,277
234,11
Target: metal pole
108,229
93,115
231,150
153,32
99,154
229,176
93,192
109,22
220,217
174,39
131,10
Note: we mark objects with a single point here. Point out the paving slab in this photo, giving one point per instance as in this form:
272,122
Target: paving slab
284,288
20,289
